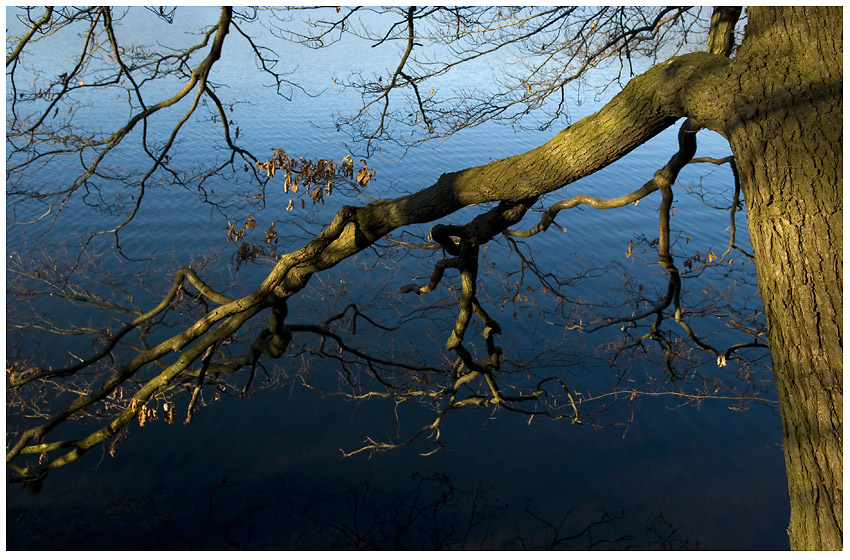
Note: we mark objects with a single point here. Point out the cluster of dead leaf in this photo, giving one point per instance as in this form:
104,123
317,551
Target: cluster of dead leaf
315,178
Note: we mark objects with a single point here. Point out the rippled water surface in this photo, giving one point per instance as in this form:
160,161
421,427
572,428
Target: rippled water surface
268,472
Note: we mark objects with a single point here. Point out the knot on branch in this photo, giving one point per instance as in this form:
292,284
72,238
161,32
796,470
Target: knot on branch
274,340
445,235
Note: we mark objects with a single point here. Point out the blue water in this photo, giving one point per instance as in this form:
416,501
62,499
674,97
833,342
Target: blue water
268,472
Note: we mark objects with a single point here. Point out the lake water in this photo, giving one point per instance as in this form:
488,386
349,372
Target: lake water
268,472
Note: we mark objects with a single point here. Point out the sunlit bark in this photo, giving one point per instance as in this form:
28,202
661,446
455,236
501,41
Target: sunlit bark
786,132
641,111
777,102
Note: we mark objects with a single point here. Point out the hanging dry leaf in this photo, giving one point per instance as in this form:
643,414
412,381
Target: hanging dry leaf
364,175
287,181
348,167
271,234
170,412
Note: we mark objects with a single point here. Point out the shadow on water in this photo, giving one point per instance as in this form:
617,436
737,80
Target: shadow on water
222,483
427,512
267,474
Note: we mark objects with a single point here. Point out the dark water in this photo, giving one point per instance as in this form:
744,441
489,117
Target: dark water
268,472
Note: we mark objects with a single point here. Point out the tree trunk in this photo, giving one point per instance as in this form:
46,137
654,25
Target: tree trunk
785,130
779,103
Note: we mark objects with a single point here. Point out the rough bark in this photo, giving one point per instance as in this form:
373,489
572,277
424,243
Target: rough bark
779,103
785,129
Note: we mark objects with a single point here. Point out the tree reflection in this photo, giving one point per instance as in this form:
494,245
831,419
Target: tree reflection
437,298
423,512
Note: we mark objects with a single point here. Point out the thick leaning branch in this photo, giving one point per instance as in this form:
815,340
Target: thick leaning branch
552,47
230,317
648,105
